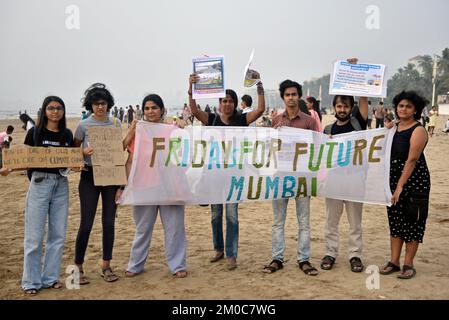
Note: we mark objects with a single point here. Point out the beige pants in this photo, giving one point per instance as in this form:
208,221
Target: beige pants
334,209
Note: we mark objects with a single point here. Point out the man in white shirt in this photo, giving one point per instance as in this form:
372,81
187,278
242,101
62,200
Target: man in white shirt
246,103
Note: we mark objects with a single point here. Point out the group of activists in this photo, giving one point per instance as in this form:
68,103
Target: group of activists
47,200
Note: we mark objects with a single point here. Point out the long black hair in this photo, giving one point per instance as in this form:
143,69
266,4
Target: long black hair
316,105
25,118
43,119
233,119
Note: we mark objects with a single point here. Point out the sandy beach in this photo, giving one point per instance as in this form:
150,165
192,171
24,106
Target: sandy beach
212,280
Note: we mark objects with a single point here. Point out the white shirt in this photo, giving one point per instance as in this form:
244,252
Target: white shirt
246,110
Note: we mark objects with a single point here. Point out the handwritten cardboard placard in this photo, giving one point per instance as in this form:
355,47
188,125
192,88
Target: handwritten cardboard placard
108,159
107,145
24,157
109,175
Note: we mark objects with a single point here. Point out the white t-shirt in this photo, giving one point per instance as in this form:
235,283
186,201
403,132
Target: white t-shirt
246,110
29,125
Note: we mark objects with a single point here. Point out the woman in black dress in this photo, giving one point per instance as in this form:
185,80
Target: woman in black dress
409,183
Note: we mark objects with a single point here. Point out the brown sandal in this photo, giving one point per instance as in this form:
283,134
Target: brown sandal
83,279
108,275
274,266
307,268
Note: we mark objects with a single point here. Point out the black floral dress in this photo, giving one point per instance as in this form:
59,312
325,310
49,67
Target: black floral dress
418,182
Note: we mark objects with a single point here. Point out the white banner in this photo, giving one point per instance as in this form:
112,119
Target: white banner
207,165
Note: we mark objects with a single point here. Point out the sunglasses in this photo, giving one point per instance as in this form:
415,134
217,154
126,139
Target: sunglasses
58,108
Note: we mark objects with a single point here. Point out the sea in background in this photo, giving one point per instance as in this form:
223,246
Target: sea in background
71,112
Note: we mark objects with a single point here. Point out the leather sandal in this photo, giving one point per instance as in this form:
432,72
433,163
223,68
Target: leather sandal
307,268
274,266
405,274
356,264
327,262
389,268
108,275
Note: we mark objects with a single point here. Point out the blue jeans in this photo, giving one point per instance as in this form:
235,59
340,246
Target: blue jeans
48,198
232,228
303,216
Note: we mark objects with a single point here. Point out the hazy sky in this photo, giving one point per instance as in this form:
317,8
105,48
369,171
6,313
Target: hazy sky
137,46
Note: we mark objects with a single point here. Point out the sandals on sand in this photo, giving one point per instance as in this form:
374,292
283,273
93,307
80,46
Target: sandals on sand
108,275
389,268
83,279
218,256
408,272
327,262
274,266
356,264
31,292
55,285
180,274
307,268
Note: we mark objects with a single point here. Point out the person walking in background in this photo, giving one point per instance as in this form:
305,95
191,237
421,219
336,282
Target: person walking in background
5,140
314,109
28,123
121,114
433,116
370,115
130,115
379,114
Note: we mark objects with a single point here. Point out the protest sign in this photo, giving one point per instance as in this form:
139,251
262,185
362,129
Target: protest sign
250,77
108,160
24,157
225,165
362,79
211,82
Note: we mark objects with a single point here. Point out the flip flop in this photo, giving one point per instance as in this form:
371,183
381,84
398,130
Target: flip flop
389,268
404,274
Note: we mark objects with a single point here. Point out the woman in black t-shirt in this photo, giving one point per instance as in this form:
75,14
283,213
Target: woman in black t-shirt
47,198
228,117
409,183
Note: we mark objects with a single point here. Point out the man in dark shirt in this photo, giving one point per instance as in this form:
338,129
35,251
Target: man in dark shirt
347,121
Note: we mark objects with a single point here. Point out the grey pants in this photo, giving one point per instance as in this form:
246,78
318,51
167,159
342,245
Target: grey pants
172,218
334,209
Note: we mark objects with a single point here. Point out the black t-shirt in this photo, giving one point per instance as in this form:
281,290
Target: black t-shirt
49,139
401,144
237,120
336,129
